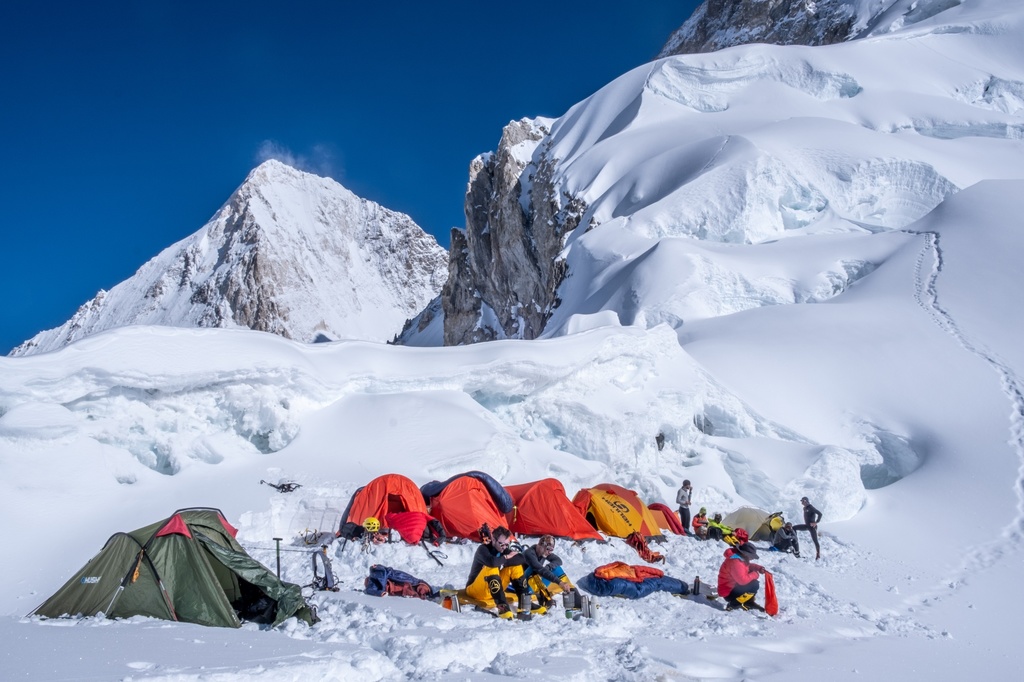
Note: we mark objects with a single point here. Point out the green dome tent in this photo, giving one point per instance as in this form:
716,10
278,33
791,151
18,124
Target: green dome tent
187,568
757,522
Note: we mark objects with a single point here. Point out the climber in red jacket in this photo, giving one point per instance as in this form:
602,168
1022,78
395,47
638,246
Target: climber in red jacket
738,576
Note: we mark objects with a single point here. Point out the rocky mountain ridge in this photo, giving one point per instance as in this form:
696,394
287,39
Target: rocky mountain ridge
289,253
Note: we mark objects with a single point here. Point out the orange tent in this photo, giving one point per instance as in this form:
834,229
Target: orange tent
666,518
616,511
463,506
384,495
542,508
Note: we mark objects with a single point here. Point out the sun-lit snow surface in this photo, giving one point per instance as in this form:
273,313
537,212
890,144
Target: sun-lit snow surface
873,364
759,143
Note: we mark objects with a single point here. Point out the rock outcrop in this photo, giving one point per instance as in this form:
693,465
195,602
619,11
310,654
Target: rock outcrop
504,268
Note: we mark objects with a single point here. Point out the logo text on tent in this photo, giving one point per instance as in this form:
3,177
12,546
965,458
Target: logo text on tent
90,579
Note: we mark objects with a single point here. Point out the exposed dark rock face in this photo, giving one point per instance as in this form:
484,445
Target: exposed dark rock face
504,268
718,24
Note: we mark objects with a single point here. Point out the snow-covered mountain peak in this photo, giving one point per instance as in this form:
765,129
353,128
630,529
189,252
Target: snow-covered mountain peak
290,253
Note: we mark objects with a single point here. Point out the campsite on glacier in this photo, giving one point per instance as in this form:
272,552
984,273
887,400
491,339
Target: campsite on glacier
797,264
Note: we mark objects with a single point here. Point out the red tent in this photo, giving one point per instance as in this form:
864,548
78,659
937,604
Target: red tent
384,495
666,518
463,506
542,508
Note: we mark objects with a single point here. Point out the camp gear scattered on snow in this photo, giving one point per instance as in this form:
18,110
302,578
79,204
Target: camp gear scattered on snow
384,580
434,554
619,579
542,508
578,605
286,487
450,599
637,542
771,601
187,567
327,581
371,524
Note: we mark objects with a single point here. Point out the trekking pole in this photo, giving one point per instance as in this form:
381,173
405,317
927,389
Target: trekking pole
278,541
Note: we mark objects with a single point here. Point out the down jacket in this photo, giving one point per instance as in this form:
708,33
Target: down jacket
735,571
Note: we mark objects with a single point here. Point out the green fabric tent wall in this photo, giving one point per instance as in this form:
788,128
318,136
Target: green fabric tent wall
188,568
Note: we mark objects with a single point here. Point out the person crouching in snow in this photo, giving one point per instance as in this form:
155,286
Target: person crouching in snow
492,570
544,574
737,578
700,524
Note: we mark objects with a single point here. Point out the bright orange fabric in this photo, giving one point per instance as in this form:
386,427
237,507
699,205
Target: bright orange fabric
542,508
619,569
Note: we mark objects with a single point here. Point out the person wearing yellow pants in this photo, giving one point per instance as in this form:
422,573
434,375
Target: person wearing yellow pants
544,574
492,570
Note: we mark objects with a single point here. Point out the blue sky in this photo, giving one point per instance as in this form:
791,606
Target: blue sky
127,124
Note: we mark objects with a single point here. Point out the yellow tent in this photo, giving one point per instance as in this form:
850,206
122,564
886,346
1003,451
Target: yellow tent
616,511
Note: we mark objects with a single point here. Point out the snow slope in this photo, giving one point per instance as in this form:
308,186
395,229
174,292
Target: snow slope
860,346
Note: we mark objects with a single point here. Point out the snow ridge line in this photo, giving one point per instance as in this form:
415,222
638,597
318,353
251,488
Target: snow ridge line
926,296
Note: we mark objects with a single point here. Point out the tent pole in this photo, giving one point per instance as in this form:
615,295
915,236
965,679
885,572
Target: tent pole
278,541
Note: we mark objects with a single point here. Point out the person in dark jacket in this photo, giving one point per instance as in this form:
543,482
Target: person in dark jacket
494,566
544,574
811,518
785,540
738,576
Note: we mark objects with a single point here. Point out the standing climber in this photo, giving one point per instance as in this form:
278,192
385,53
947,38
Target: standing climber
811,518
683,500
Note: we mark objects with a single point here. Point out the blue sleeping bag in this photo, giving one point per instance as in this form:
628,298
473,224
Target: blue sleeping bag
620,587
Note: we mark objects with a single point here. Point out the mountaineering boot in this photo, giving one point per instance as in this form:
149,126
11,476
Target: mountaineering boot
732,605
505,612
753,606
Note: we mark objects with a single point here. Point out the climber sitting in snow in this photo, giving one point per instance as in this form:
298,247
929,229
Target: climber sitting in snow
738,577
716,529
700,524
544,574
494,568
784,540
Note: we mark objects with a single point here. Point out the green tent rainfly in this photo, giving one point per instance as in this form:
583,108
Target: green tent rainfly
187,568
